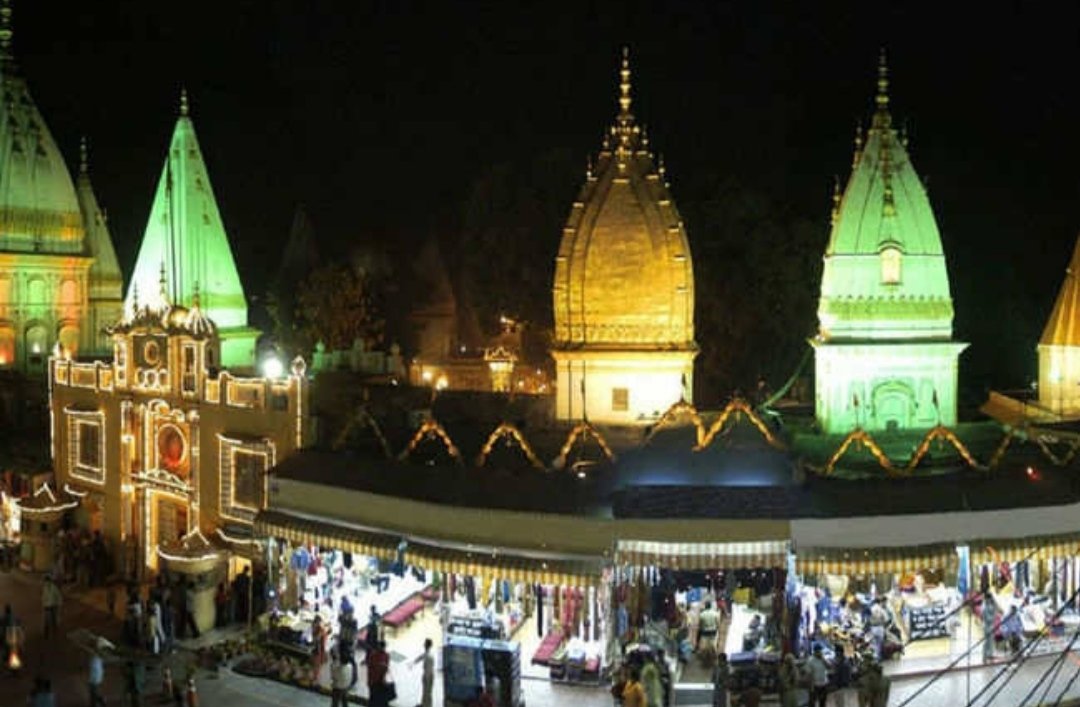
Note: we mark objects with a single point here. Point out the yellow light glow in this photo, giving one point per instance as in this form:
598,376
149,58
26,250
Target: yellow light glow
442,383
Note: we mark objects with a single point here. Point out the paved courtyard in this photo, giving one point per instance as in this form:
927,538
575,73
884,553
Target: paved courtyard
65,664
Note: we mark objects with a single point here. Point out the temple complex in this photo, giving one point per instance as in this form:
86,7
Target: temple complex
885,356
624,286
185,236
59,279
161,448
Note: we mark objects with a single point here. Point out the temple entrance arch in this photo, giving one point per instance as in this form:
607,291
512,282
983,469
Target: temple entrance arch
894,405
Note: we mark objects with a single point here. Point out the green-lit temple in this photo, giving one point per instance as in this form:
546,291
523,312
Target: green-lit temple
60,283
185,241
885,356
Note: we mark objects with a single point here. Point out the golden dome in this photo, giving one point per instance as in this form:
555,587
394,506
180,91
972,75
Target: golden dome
624,276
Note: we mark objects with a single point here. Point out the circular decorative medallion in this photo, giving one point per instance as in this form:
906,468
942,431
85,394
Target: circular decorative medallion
172,450
151,353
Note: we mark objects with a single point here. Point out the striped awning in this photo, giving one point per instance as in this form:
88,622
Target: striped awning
866,561
703,556
489,565
1016,549
297,530
505,566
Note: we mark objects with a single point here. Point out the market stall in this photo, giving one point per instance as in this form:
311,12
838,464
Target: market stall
692,600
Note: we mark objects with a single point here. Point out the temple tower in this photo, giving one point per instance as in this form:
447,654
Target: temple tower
55,272
1059,347
106,289
885,356
624,286
186,236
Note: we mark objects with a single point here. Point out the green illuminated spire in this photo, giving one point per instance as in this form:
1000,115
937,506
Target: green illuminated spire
884,207
185,235
106,283
884,351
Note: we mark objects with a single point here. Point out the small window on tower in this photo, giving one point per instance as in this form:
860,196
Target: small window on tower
620,399
890,266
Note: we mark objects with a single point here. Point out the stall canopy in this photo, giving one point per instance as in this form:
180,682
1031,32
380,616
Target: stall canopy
1042,547
703,556
487,562
866,561
309,531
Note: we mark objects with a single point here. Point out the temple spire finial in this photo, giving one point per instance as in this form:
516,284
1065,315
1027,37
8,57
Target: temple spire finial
183,102
196,300
84,156
164,292
7,33
835,215
624,85
882,118
882,98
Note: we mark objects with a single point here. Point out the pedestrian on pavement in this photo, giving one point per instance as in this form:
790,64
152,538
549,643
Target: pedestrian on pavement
221,606
110,599
427,680
751,694
633,694
134,683
42,696
788,680
874,687
13,637
96,672
8,620
342,679
51,600
241,589
189,610
721,679
819,679
989,617
650,680
378,666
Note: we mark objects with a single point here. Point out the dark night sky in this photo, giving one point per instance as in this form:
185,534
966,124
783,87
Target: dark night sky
379,116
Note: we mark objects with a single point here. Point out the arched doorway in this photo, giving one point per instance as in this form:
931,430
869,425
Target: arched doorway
894,405
36,348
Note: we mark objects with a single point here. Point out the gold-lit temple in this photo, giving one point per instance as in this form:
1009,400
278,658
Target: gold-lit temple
624,286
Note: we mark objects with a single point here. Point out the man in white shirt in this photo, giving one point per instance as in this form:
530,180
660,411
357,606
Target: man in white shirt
342,678
96,672
51,599
819,679
708,625
428,675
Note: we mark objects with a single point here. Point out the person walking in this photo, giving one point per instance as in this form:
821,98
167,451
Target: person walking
708,625
51,600
13,637
634,694
721,679
43,695
788,681
650,680
378,666
819,679
189,610
134,683
96,672
427,676
989,618
342,679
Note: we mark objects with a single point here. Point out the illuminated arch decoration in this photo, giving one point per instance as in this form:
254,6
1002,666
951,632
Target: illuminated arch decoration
999,453
431,429
1070,452
939,432
582,432
862,437
737,407
503,431
677,411
360,419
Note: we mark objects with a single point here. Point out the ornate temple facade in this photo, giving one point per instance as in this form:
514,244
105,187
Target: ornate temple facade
185,236
161,446
885,356
60,282
624,287
1059,348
